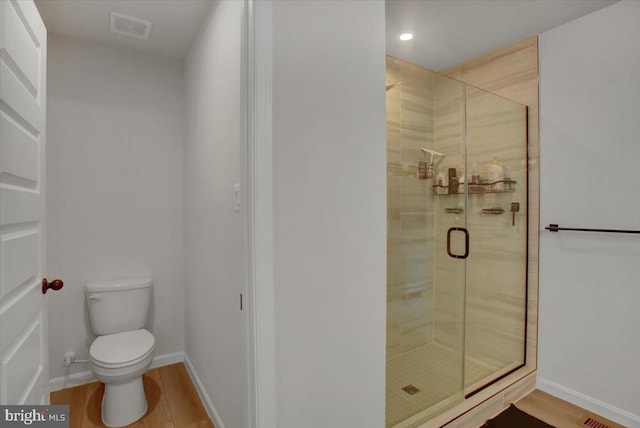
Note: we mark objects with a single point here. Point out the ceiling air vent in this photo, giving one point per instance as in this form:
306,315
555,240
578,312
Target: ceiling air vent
129,26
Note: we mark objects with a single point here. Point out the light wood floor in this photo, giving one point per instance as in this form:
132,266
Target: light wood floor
557,412
174,403
172,399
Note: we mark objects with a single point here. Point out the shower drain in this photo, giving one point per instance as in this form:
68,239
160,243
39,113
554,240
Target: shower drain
410,389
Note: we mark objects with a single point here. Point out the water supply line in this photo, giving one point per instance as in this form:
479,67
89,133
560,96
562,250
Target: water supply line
70,358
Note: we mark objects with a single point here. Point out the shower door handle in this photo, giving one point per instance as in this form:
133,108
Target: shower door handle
466,243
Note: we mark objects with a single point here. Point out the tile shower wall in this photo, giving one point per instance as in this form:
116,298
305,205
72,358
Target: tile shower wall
410,216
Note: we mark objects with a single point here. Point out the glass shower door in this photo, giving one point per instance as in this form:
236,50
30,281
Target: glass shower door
496,269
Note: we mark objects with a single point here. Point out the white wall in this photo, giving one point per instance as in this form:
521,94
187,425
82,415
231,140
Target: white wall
589,349
330,212
215,236
114,177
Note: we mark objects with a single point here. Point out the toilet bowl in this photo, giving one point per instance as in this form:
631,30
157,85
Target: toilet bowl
123,350
119,361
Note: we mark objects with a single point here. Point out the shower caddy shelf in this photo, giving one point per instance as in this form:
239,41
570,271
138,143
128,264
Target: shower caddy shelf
480,188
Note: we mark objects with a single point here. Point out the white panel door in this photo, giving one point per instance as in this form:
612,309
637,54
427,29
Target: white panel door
24,371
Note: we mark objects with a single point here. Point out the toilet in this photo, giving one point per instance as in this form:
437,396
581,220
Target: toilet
123,350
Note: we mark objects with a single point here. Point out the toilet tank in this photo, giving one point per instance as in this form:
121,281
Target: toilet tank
117,306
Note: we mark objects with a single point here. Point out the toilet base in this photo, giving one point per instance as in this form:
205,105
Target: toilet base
123,403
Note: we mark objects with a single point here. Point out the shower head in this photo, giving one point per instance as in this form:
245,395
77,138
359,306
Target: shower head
393,85
434,157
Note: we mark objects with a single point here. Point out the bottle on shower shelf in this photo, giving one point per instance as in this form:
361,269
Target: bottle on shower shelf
440,182
496,175
474,184
475,176
454,184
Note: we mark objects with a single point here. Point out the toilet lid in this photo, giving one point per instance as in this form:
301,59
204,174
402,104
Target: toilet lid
123,347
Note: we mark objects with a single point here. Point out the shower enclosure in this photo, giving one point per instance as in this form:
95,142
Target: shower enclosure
457,241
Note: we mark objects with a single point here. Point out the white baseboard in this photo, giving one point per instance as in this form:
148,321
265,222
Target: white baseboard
167,359
81,378
68,381
592,404
204,397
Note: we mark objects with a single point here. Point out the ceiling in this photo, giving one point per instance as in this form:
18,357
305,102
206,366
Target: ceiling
175,23
450,32
447,32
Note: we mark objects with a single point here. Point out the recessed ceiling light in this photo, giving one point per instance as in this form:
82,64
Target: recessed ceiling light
406,36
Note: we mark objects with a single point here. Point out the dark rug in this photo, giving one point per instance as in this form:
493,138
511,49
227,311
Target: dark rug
515,418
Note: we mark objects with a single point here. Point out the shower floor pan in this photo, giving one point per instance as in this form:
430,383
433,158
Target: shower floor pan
435,371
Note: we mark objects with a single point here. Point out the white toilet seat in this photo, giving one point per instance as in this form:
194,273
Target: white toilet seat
121,350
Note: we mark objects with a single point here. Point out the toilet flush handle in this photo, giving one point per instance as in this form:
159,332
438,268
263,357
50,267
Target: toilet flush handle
94,297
